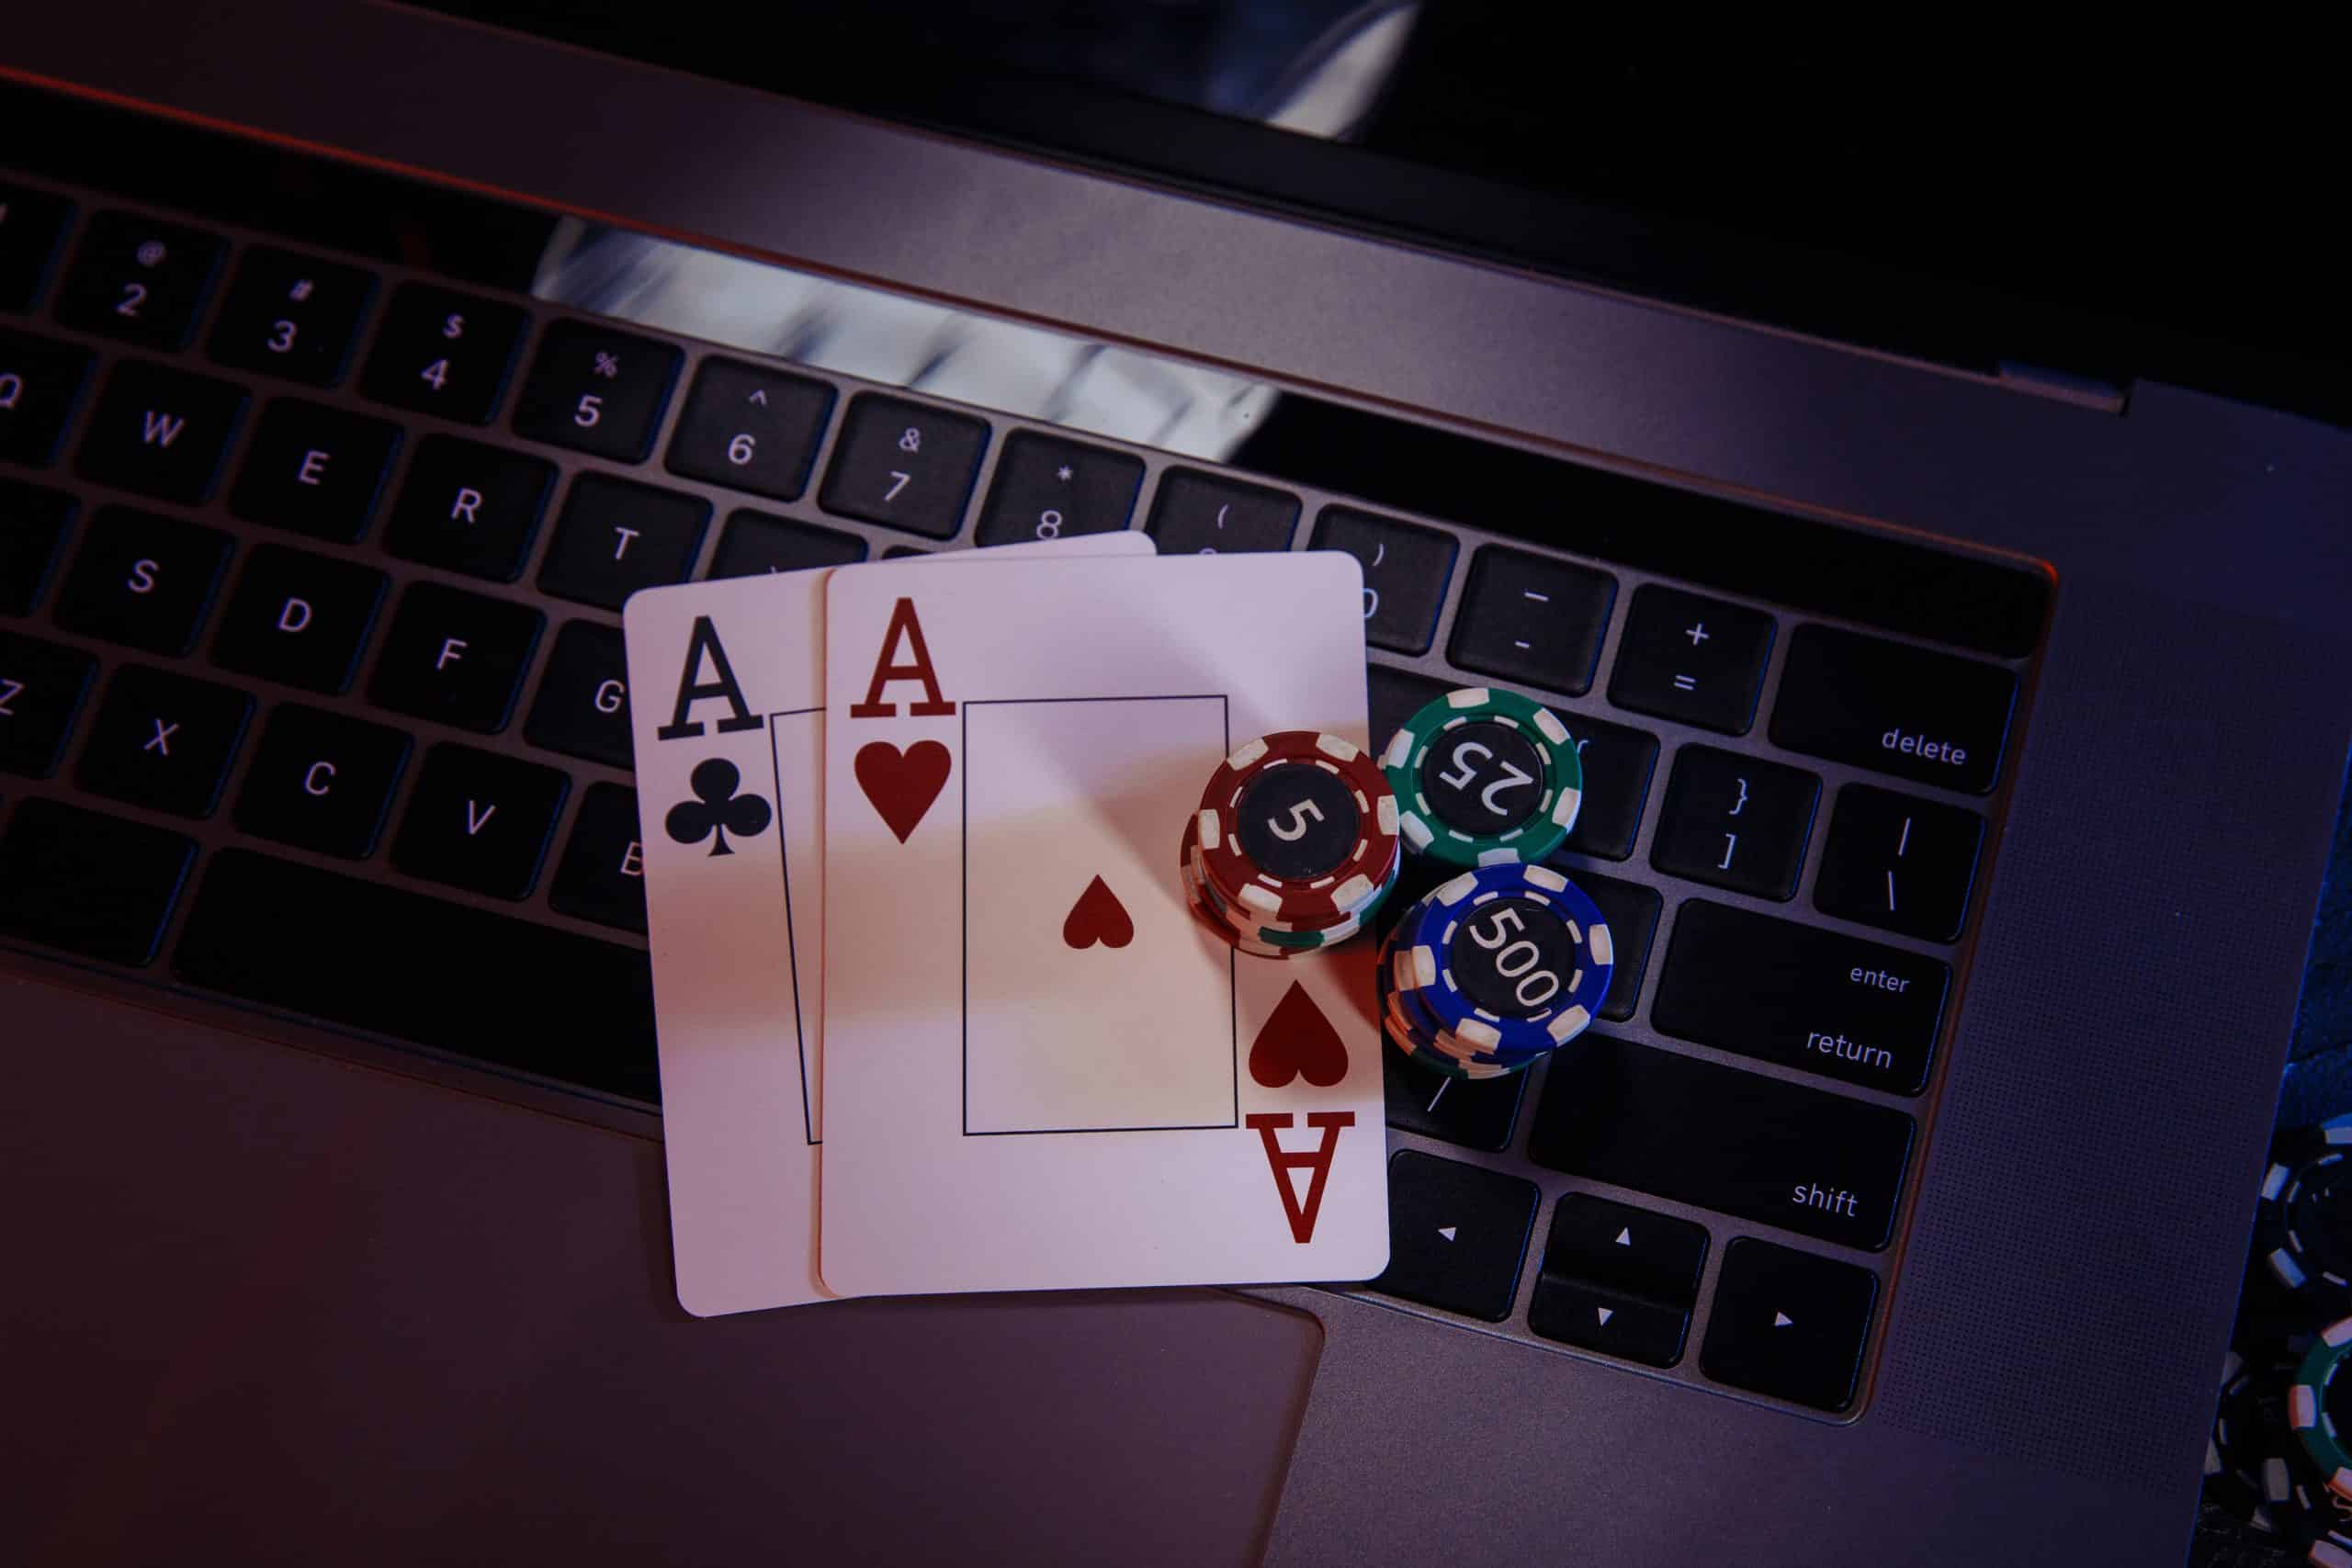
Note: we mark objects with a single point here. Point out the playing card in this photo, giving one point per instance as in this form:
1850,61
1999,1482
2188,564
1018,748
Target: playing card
727,682
1042,1072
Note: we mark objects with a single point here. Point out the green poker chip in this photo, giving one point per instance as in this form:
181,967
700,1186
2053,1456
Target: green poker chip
1484,777
2319,1405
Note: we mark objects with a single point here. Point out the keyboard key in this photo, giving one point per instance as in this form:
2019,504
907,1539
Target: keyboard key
1533,619
1804,997
443,353
42,687
161,431
582,706
31,223
750,428
520,995
602,875
33,524
1456,1235
315,469
163,740
138,279
598,390
1720,1138
1735,821
1194,513
1632,911
142,580
40,385
1699,660
754,543
470,508
1636,1251
1894,709
1575,1312
1394,695
455,657
901,552
615,537
904,466
1898,862
478,820
1049,489
298,618
1789,1323
1405,573
1617,764
1477,1113
291,315
321,781
87,881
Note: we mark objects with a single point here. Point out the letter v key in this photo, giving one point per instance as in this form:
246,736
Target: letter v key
477,817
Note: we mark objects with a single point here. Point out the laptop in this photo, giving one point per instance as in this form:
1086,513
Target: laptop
1961,744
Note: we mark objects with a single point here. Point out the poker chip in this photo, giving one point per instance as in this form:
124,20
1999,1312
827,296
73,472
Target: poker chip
1236,930
1402,1032
1296,833
2319,1405
1511,961
2256,1465
2303,1225
1484,777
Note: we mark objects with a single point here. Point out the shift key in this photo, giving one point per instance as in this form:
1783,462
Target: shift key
1722,1138
1810,998
1897,709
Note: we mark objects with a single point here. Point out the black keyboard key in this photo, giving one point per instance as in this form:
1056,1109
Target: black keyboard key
455,657
1049,489
1894,709
1394,695
904,466
291,315
478,820
1477,1113
443,353
1577,1312
139,280
40,385
522,996
1637,1251
1716,1137
1699,660
582,706
163,740
751,428
1789,1323
1800,996
470,508
1196,514
161,431
1405,573
901,552
315,469
142,580
42,687
754,543
298,618
1735,821
31,223
1456,1235
321,781
1533,619
598,390
615,537
1898,862
33,524
1617,764
602,875
1632,911
87,881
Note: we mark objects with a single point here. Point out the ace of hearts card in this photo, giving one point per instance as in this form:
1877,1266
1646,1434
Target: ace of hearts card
1042,1072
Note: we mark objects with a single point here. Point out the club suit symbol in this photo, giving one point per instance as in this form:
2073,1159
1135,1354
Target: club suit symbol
717,809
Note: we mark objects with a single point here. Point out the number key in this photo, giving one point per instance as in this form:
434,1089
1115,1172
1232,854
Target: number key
597,391
1202,515
751,429
31,223
1055,490
291,315
139,281
905,466
1405,573
443,353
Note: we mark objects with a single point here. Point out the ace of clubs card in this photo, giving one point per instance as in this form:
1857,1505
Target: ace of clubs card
727,680
1042,1071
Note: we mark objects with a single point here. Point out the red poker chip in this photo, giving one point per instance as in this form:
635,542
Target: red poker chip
1297,828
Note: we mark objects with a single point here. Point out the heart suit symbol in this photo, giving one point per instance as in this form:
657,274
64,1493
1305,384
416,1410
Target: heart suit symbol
902,785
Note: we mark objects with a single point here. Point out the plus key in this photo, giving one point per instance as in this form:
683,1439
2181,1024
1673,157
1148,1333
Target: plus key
1689,657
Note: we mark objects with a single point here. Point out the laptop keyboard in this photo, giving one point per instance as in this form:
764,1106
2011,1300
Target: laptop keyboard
312,700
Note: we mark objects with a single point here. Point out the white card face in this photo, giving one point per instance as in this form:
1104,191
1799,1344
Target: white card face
727,688
1041,1073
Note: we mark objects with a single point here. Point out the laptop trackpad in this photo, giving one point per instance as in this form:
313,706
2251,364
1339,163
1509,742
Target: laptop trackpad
273,1304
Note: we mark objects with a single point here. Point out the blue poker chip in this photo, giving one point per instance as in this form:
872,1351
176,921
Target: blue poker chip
1511,961
1420,1048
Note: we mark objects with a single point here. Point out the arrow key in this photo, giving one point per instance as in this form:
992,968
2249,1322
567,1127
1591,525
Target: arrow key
1608,1321
1789,1323
1624,1249
1456,1235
